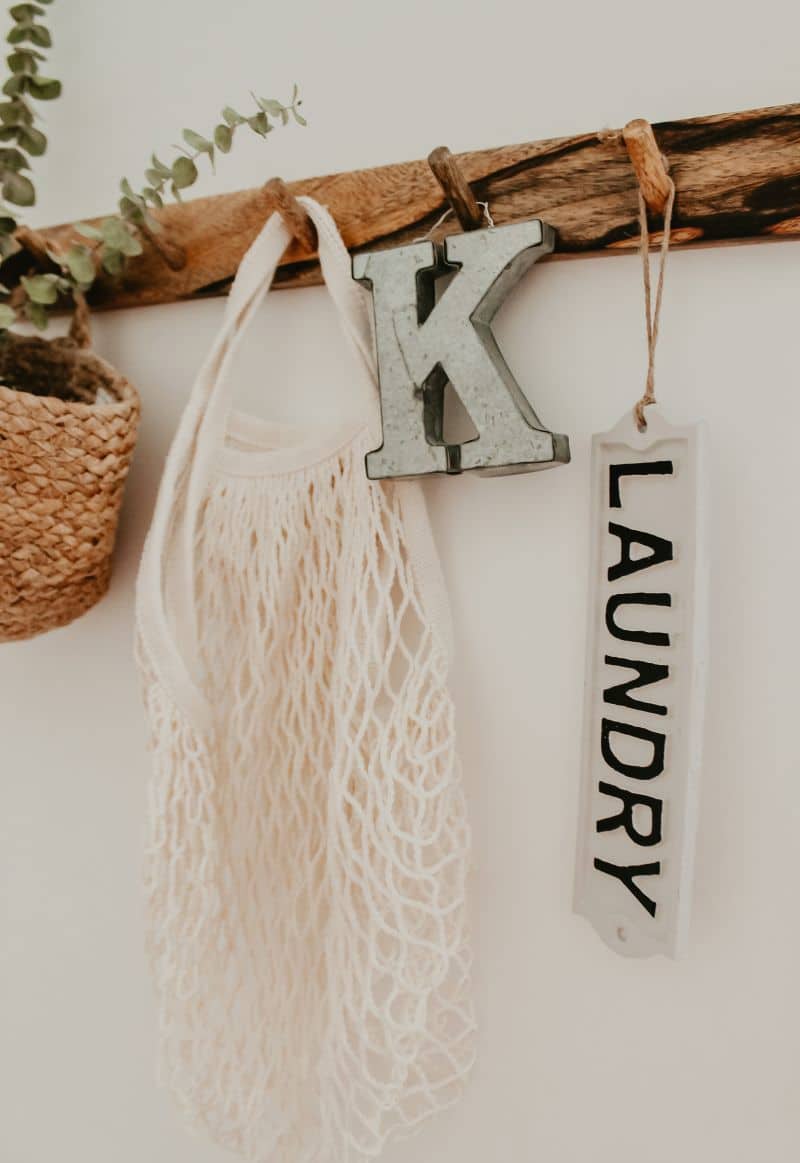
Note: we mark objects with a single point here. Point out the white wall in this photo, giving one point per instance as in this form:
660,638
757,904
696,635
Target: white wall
583,1054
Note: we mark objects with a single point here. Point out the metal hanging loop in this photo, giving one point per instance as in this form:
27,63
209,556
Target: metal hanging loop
293,214
456,188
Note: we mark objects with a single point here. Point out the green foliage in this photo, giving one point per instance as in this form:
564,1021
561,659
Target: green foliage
162,179
19,142
117,239
17,133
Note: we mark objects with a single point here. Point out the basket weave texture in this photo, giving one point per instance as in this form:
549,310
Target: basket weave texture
68,424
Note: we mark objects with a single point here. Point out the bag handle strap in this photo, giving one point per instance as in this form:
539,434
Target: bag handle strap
257,271
352,301
253,280
203,423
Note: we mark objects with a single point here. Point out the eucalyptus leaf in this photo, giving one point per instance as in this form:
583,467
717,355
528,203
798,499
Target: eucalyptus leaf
223,138
10,132
44,88
23,61
259,124
17,84
184,173
197,141
8,224
15,113
32,140
159,167
113,262
113,233
8,112
132,205
13,159
27,30
133,246
299,117
25,12
154,177
231,117
151,223
8,316
40,36
118,236
88,231
131,211
152,196
8,246
37,314
41,288
18,189
78,261
274,108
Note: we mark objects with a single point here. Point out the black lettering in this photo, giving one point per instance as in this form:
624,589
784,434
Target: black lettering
627,873
648,672
642,468
660,550
647,638
632,770
624,818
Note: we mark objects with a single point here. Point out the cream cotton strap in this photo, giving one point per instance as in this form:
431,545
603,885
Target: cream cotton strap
202,428
253,280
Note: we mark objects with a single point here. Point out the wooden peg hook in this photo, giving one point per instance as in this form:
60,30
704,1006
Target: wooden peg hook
293,214
649,164
455,188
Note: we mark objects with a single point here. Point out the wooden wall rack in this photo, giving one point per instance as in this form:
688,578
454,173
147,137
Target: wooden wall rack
737,177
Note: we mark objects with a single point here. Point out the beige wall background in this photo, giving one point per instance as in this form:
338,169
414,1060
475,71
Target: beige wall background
583,1055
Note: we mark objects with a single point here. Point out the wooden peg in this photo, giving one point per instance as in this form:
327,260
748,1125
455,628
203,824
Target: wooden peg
455,188
293,214
649,164
172,254
36,246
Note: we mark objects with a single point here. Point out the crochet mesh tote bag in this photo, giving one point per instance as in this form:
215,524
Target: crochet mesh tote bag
308,840
68,425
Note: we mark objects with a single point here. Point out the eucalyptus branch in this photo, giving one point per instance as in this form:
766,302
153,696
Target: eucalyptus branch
21,139
117,238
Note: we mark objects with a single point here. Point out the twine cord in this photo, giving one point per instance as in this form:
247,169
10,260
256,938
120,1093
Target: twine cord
652,311
487,214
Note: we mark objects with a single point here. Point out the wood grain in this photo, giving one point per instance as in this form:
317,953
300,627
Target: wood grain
737,177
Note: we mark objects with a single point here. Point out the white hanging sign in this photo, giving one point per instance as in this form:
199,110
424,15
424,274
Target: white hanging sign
645,683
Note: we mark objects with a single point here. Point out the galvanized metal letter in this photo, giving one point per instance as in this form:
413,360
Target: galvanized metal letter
422,344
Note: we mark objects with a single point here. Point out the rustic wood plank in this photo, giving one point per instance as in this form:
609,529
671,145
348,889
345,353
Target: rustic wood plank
737,177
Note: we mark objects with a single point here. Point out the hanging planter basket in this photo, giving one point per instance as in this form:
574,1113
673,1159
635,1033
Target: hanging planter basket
68,425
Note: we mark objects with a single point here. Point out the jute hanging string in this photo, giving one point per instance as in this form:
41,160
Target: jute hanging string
652,310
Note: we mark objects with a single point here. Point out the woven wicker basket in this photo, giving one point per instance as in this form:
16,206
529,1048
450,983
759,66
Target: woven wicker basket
68,426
